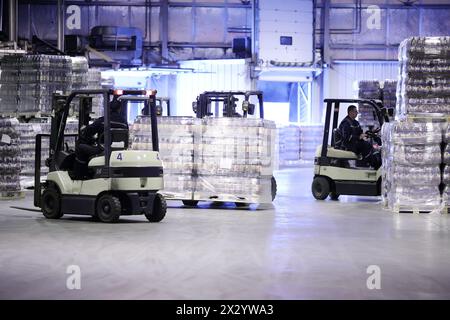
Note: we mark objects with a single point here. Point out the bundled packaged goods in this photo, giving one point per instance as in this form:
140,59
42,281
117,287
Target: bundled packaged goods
412,158
368,89
424,77
311,136
226,159
9,159
34,78
289,145
94,81
389,97
176,149
235,159
27,133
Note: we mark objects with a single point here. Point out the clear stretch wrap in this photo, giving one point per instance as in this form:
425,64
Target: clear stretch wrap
368,89
176,148
34,78
310,137
390,96
412,160
235,159
94,81
27,133
424,77
289,145
222,159
9,158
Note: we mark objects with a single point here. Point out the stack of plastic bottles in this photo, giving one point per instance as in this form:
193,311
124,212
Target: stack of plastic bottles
424,78
235,159
176,149
217,159
412,158
311,137
27,133
9,81
94,81
28,82
79,76
390,97
289,145
368,89
9,159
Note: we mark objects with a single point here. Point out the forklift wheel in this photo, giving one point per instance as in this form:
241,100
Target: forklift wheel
274,188
320,188
51,204
190,203
334,196
159,209
241,204
109,208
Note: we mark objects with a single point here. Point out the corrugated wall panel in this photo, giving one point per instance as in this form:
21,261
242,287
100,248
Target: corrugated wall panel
343,77
217,75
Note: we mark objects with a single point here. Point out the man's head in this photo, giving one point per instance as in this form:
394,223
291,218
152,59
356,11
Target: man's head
115,105
352,111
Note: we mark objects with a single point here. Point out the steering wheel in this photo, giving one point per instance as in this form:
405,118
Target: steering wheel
373,133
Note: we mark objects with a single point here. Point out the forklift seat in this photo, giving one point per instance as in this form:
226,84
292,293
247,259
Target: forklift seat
119,139
337,153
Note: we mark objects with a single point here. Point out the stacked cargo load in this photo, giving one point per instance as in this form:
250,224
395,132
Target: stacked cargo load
289,145
412,166
9,84
176,149
368,89
27,133
389,97
311,136
28,82
215,159
424,78
235,160
94,81
9,159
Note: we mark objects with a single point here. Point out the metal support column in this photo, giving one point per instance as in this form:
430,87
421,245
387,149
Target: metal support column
324,83
164,29
13,17
60,16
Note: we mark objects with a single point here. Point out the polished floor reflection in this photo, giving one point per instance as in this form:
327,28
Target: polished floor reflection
297,248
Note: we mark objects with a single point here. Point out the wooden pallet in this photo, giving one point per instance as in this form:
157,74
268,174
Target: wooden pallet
416,209
428,118
12,195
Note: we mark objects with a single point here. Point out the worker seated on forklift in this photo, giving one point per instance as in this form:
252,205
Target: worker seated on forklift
355,140
89,143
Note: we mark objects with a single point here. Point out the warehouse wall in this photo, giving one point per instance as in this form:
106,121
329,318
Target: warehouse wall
344,77
196,29
218,75
372,29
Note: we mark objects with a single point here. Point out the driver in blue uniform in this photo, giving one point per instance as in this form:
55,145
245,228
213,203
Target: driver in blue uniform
87,145
354,139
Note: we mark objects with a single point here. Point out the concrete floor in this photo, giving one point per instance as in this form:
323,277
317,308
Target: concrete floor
299,248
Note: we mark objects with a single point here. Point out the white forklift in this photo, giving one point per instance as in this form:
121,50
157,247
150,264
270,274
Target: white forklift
120,181
338,171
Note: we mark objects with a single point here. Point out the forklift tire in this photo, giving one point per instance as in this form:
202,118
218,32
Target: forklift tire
51,203
159,209
109,208
334,196
320,188
274,188
241,204
190,203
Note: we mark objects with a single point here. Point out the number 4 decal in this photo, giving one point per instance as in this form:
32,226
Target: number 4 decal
119,156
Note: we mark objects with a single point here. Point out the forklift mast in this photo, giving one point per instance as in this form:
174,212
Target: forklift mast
202,105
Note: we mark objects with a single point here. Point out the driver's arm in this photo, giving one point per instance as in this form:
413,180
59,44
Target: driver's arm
94,128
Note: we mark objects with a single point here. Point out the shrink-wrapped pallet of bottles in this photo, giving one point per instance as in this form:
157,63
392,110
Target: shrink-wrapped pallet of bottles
311,136
9,159
289,145
235,159
424,77
217,159
412,158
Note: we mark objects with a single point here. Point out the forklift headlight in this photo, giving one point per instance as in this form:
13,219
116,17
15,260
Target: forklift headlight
118,92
